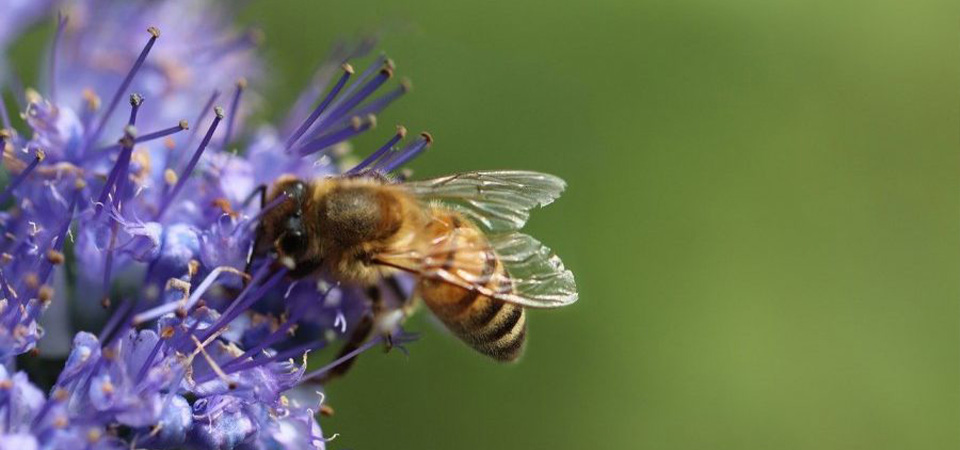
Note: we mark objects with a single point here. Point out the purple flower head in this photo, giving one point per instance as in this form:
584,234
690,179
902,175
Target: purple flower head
201,52
146,224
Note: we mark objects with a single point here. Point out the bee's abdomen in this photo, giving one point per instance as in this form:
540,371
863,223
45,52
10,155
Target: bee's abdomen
491,326
495,328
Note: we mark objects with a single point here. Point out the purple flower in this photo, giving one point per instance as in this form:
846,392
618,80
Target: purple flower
146,224
200,53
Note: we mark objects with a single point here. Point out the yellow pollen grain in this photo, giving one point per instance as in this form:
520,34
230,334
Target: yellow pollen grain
170,177
54,257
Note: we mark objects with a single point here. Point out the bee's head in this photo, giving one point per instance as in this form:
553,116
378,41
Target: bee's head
283,224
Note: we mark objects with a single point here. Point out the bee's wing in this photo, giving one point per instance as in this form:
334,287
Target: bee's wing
534,276
537,274
497,201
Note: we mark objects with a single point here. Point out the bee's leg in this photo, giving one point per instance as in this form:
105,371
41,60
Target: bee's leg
258,235
360,334
408,301
261,191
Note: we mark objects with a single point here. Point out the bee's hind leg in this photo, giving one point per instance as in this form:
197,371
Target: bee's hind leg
406,307
380,320
360,334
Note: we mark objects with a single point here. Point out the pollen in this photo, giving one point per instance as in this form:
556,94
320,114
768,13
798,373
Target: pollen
31,281
91,100
94,435
45,294
54,257
170,177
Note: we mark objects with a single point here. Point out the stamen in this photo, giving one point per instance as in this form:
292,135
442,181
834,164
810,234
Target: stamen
238,365
182,125
153,355
355,127
114,323
54,255
129,137
92,137
373,68
213,365
401,133
135,101
234,106
323,370
52,75
191,164
298,312
341,110
118,174
243,302
347,72
39,156
408,153
173,163
381,103
108,264
167,308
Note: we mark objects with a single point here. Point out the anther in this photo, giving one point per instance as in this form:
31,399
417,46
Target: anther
45,294
54,257
31,281
170,177
428,137
91,100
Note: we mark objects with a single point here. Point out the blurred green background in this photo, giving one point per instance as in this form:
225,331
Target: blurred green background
762,215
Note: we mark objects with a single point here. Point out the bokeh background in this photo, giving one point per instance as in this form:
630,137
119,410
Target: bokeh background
762,215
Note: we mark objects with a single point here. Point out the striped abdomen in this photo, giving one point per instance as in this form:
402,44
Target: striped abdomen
492,327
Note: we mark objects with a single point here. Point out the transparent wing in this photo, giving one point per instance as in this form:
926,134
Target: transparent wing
538,276
531,275
497,201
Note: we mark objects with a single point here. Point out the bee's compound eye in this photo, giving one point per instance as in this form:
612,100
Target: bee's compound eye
293,242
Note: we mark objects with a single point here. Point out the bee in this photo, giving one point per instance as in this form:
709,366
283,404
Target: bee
457,235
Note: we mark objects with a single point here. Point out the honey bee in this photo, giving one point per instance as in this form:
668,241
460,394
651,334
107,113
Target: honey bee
457,235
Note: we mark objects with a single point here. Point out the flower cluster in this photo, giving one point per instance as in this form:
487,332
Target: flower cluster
126,219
